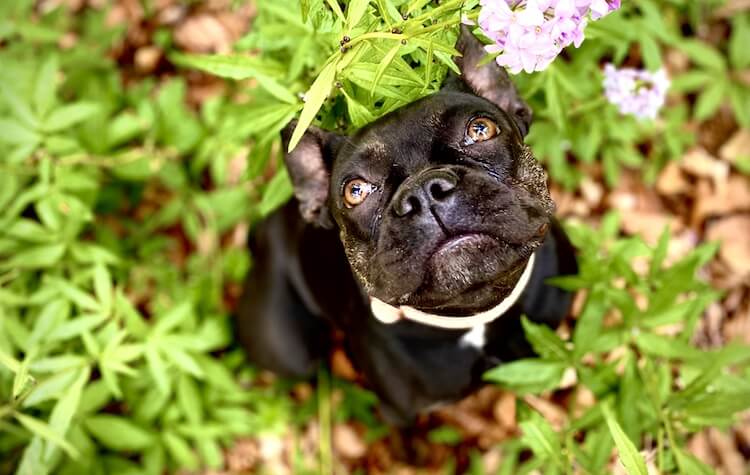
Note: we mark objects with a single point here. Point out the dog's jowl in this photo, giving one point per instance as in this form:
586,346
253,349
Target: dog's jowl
423,238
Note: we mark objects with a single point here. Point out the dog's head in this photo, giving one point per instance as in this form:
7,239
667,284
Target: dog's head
439,204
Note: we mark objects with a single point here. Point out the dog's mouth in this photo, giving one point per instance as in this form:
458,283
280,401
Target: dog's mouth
469,272
461,244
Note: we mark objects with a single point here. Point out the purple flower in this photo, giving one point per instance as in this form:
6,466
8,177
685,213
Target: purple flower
529,34
635,91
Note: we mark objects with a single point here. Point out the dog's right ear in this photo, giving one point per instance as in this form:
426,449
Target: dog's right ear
309,166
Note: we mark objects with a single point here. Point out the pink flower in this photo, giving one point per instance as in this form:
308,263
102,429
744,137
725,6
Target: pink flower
529,34
636,91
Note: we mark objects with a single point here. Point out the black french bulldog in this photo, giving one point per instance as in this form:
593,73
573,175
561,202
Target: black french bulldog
434,210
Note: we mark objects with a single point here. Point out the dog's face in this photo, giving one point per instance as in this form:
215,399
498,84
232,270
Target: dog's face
439,204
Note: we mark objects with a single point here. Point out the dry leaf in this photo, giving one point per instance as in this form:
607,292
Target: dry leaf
734,234
671,180
210,33
731,197
347,442
341,366
649,225
699,162
738,146
505,410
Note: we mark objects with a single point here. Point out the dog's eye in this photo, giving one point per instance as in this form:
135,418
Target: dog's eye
356,191
481,129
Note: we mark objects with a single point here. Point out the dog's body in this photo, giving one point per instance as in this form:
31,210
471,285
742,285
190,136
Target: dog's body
436,207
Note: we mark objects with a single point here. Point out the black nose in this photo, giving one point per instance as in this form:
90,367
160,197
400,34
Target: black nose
428,187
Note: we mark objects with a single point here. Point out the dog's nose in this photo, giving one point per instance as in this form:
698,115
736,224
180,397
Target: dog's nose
429,187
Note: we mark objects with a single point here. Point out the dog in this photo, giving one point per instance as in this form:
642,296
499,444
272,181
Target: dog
422,238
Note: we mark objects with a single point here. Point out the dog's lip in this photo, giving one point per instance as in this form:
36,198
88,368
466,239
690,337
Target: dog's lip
463,239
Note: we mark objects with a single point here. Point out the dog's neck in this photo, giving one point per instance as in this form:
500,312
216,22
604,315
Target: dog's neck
388,314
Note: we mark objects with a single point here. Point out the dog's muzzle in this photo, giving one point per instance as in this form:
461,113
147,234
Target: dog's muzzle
389,314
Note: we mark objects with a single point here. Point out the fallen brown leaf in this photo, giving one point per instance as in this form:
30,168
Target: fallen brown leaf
738,146
730,197
699,162
347,442
734,234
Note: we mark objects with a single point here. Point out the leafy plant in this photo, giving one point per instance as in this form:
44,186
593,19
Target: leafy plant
630,351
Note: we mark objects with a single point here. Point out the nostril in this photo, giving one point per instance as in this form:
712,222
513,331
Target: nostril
439,189
407,205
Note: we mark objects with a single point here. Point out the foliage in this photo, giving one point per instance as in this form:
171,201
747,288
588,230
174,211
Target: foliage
120,208
630,349
113,321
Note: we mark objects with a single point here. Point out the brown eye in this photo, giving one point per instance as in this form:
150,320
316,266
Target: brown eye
356,191
481,129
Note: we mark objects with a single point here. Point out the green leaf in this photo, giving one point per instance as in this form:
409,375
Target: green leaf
650,52
277,192
387,60
628,454
158,369
446,435
313,101
710,99
66,408
118,433
275,89
703,55
22,378
177,315
182,360
231,67
588,327
354,12
45,88
739,96
83,299
50,388
691,81
68,115
544,442
14,132
739,53
103,287
545,342
555,109
334,4
44,431
18,106
527,375
189,399
35,257
9,362
180,450
76,327
689,464
658,345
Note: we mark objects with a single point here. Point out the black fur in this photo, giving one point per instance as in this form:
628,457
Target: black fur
317,261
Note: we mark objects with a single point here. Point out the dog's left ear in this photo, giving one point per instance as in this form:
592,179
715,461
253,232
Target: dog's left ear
489,80
309,166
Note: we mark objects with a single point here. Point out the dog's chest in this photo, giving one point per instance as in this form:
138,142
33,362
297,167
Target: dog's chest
474,338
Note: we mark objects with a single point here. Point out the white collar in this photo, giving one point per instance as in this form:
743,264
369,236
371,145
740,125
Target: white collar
388,314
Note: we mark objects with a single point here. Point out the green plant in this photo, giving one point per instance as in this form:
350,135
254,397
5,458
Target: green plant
631,351
113,319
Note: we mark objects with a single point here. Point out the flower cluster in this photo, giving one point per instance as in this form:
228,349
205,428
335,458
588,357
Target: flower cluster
635,91
529,34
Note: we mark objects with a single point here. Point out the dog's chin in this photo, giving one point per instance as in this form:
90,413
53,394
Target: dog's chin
469,274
